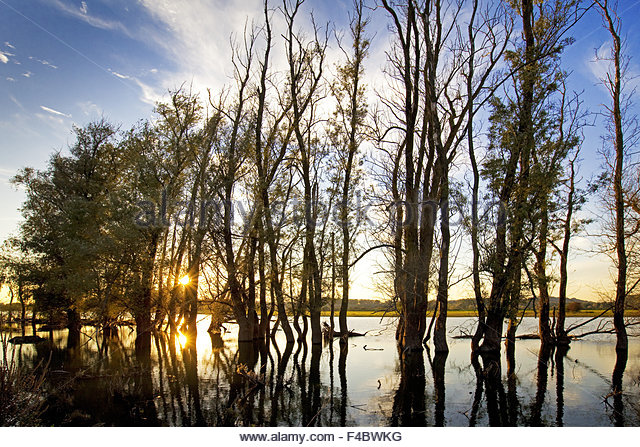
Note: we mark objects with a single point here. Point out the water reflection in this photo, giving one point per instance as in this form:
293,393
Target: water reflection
477,395
409,406
342,371
496,401
438,369
211,379
616,388
542,379
560,355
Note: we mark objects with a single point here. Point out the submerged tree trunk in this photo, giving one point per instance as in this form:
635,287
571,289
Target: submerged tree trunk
561,334
475,269
544,328
265,317
510,336
143,308
622,342
440,331
33,319
191,295
74,325
23,307
614,84
333,288
493,331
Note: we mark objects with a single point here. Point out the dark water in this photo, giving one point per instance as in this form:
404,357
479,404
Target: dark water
104,382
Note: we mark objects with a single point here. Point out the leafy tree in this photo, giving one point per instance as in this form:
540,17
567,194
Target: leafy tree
347,133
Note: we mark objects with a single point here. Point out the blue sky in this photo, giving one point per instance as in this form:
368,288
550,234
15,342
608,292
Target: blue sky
65,62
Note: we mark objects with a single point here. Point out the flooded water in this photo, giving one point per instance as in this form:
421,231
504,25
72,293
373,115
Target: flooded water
103,382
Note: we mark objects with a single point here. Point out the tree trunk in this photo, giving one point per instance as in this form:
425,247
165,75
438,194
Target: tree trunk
561,333
510,336
74,325
492,332
264,311
143,311
191,296
251,299
23,307
613,82
544,329
333,287
440,331
480,308
622,342
33,319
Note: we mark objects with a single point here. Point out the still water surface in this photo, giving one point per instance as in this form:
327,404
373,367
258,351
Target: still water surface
104,382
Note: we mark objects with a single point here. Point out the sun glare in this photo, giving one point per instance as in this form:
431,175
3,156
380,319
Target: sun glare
182,339
184,280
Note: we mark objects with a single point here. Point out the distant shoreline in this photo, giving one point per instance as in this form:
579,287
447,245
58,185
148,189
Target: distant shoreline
470,313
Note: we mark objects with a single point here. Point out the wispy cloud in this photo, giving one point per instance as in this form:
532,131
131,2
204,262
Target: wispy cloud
150,94
4,57
200,32
90,109
16,102
27,74
54,121
82,13
600,65
200,50
10,79
7,44
54,112
43,62
118,75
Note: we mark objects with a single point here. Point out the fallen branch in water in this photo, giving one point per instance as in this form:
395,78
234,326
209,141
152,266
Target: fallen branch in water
528,337
372,349
604,327
572,328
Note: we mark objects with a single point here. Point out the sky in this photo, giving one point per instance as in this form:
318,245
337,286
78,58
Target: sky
68,62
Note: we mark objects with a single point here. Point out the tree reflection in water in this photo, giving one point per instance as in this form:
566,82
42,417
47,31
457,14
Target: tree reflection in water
616,387
542,378
342,371
494,389
560,355
213,380
437,368
409,407
477,395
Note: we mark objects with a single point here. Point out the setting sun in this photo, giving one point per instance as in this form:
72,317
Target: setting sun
184,280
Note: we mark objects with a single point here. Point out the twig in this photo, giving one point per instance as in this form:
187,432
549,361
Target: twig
590,320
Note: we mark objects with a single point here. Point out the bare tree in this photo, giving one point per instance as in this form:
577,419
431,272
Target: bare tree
305,69
623,135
